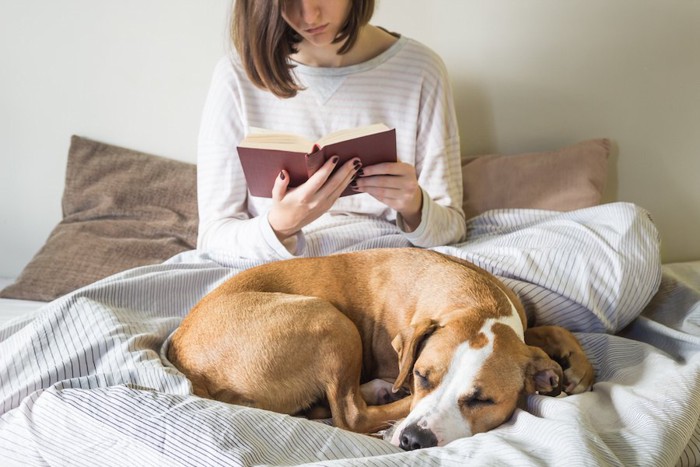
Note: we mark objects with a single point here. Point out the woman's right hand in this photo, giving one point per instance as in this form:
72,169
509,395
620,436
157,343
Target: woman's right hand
294,208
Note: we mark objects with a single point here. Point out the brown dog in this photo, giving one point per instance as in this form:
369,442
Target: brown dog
286,335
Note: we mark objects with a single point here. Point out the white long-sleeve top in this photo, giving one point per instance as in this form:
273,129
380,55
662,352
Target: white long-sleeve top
406,88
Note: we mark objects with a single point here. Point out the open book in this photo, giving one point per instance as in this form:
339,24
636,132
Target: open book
264,153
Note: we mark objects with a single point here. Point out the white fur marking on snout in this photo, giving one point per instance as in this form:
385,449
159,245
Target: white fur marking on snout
439,411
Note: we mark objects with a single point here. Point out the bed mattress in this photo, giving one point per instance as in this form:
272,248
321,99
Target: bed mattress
10,309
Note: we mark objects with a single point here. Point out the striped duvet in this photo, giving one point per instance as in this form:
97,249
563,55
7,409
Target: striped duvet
83,380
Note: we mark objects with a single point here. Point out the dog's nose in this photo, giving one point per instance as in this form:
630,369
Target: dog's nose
415,437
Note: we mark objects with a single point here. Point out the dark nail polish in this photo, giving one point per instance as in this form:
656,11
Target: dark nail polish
281,175
360,173
334,159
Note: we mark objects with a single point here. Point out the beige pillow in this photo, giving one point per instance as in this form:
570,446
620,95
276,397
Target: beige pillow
571,178
121,209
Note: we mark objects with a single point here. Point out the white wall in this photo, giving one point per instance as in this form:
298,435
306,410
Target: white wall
129,72
539,74
528,75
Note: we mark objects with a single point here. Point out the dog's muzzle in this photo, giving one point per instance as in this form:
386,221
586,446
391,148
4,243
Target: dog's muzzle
415,437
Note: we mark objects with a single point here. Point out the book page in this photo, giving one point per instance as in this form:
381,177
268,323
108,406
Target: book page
351,133
261,138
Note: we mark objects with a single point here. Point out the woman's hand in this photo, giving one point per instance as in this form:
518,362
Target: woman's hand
294,208
396,185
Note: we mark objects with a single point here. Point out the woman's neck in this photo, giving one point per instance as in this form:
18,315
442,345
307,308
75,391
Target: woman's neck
371,41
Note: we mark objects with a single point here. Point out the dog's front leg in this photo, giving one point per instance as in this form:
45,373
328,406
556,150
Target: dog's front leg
350,411
341,371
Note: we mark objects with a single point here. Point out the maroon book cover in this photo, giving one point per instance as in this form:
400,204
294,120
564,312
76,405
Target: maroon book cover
262,166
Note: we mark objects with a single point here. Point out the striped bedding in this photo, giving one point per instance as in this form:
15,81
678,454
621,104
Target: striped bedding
83,380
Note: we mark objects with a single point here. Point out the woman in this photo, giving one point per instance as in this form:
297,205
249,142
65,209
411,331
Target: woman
312,67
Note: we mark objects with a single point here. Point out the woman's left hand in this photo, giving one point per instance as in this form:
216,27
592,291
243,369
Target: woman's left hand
396,185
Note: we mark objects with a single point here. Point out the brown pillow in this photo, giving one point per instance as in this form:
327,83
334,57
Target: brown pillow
571,178
121,209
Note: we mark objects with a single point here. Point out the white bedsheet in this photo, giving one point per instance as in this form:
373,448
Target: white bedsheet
83,382
10,309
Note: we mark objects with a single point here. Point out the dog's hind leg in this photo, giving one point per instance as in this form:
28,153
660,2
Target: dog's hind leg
283,353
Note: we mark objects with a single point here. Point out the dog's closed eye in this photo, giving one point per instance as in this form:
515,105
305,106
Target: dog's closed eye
422,379
476,400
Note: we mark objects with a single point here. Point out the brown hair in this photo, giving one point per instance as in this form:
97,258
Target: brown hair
265,41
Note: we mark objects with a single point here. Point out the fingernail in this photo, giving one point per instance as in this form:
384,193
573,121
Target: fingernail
356,163
360,173
334,159
353,184
281,175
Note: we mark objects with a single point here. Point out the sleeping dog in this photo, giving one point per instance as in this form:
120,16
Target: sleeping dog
360,330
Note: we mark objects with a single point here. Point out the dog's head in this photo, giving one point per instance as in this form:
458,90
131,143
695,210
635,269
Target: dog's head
466,378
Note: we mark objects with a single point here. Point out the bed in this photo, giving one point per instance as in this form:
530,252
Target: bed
83,329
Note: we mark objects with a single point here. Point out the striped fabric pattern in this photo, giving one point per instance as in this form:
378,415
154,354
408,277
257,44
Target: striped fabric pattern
83,380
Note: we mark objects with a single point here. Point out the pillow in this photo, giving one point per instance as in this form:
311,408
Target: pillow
571,178
121,209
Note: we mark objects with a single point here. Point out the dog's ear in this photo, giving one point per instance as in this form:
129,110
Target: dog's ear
406,344
542,374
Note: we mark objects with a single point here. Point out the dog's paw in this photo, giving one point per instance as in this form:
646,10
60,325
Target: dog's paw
579,375
563,347
378,392
391,396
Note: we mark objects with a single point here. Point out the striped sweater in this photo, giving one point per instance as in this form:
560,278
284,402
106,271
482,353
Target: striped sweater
406,87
